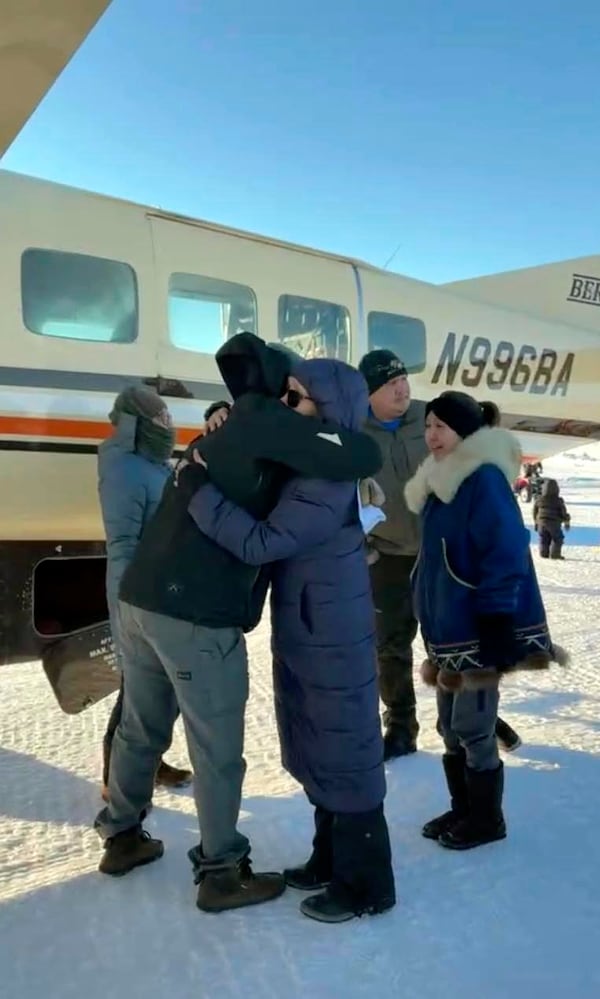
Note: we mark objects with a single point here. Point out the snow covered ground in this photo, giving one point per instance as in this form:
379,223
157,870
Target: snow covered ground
515,918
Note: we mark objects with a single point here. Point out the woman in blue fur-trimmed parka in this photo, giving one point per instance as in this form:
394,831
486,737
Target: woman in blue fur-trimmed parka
477,600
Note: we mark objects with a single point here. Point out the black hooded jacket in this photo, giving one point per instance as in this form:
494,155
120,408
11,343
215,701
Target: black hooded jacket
176,570
549,510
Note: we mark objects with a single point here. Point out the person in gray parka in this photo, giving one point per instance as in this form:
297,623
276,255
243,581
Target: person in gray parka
324,664
133,467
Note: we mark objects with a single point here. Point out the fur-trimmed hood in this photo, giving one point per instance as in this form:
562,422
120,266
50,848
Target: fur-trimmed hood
488,446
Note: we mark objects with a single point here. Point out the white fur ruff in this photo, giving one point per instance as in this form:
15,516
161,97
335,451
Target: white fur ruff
488,446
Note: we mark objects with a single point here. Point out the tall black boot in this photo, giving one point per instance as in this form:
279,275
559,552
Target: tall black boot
485,821
507,737
363,879
454,769
317,871
556,550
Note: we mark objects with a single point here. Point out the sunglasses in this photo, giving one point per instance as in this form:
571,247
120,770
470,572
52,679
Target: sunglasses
294,398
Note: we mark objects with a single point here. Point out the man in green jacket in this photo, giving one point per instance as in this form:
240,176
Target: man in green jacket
397,423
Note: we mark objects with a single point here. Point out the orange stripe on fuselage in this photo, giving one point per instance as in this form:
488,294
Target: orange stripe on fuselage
40,427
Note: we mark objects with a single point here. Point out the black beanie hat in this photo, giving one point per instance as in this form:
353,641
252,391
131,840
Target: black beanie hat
378,367
462,413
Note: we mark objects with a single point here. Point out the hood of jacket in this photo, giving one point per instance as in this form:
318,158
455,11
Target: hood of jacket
124,440
550,489
488,446
248,364
339,391
123,436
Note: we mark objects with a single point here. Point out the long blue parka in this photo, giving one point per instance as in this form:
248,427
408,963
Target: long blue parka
130,486
322,614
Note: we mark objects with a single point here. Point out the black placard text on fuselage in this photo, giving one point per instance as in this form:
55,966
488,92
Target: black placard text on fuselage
475,361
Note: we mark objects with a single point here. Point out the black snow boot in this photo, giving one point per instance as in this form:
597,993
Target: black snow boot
507,737
397,743
485,821
454,769
236,887
127,850
337,906
329,907
317,871
363,879
556,550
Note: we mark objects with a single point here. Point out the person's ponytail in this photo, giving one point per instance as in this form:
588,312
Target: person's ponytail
491,414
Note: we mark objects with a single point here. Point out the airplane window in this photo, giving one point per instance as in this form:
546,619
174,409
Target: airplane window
313,328
203,311
404,335
78,297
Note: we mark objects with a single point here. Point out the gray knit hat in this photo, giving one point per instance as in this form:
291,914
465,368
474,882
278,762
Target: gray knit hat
136,400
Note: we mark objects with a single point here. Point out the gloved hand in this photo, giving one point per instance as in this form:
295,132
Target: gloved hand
497,642
371,493
567,527
190,475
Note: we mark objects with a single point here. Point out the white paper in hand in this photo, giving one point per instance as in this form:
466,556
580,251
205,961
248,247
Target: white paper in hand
370,515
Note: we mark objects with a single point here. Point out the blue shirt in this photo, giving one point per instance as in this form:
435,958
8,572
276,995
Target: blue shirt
390,425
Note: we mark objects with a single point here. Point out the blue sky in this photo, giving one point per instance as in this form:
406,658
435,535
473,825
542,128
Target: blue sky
464,132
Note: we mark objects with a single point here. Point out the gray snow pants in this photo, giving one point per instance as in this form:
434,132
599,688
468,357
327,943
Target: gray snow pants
468,719
168,664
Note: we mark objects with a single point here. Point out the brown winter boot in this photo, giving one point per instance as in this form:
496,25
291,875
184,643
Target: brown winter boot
236,887
127,850
168,776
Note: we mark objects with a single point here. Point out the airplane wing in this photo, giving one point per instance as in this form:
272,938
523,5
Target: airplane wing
37,40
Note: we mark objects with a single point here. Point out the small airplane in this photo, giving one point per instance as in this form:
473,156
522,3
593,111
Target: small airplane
98,293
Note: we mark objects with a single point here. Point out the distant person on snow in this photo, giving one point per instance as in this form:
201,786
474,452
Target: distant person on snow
132,471
549,516
478,603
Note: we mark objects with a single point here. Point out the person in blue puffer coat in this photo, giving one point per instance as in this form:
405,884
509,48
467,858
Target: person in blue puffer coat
324,663
133,467
477,600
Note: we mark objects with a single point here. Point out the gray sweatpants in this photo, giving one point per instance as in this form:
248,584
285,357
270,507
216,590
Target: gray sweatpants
468,720
166,663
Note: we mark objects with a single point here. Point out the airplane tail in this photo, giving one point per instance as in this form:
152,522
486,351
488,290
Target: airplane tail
566,292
